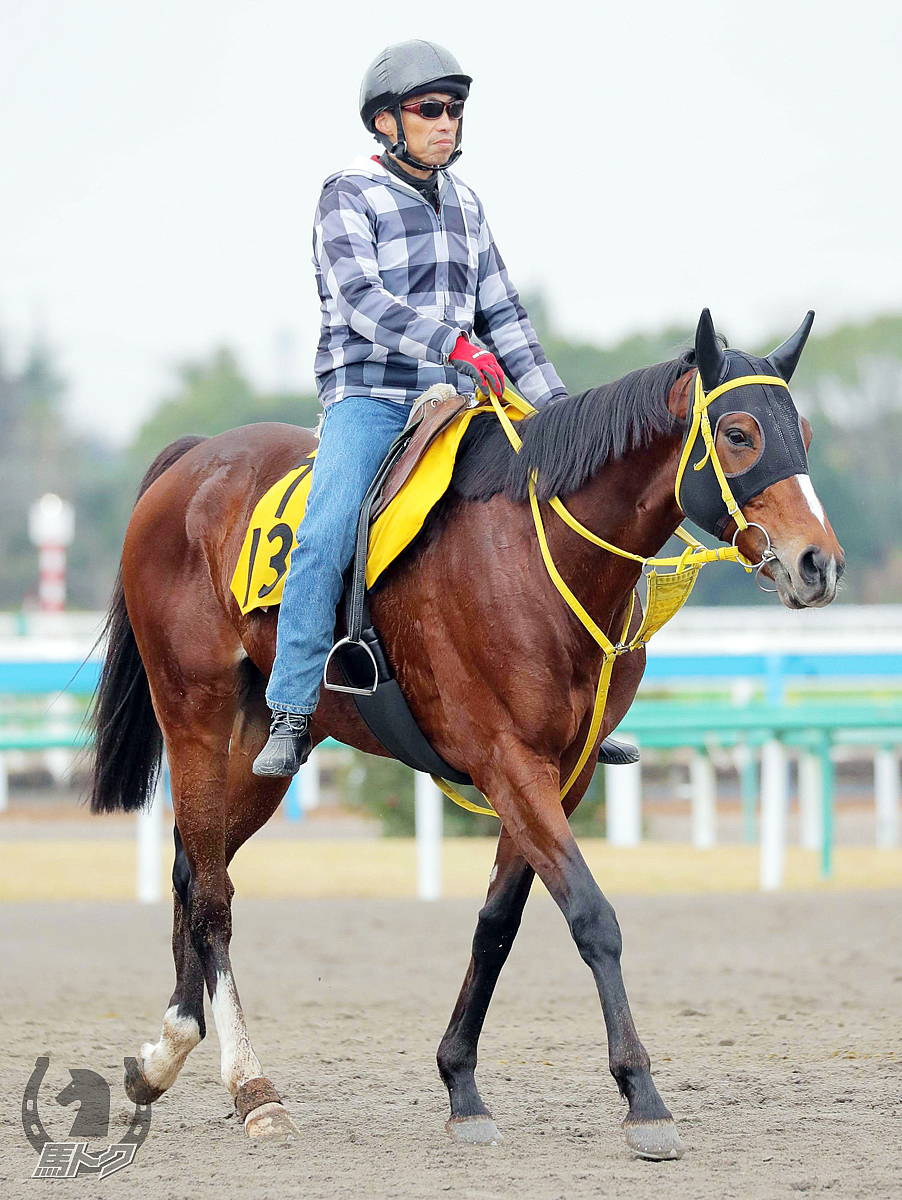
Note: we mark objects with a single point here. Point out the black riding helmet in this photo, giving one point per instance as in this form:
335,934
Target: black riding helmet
404,70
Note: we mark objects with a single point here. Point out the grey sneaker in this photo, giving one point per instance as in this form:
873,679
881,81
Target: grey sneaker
288,747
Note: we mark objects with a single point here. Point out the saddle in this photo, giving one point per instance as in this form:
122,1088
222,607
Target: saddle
434,410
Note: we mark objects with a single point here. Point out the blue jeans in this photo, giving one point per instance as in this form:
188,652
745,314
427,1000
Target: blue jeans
356,434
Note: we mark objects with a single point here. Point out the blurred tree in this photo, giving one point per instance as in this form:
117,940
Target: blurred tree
214,395
846,355
38,454
583,365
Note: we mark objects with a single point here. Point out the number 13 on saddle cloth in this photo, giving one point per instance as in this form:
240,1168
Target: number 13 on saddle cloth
263,563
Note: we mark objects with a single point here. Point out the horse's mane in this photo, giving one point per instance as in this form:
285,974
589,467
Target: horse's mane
567,441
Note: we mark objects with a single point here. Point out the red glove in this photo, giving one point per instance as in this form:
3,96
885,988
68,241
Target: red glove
480,365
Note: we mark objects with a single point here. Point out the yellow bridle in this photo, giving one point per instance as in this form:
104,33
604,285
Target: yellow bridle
666,593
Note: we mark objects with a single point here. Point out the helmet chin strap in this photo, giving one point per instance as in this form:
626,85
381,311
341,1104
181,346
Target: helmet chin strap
399,149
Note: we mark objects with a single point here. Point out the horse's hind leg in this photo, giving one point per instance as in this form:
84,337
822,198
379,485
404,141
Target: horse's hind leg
212,833
157,1066
526,798
218,804
499,920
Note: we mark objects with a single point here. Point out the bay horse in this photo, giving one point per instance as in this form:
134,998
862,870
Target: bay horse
496,669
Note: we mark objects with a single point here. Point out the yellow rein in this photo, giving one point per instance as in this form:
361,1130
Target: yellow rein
666,593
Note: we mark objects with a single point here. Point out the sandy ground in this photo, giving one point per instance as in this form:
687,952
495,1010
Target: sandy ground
773,1023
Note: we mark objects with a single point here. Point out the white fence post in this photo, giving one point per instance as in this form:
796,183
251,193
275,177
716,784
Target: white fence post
703,784
886,796
428,817
149,848
774,796
623,804
811,814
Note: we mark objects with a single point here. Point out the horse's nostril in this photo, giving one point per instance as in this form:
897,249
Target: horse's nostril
812,564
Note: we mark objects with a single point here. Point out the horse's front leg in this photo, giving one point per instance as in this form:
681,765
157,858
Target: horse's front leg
499,920
497,926
524,791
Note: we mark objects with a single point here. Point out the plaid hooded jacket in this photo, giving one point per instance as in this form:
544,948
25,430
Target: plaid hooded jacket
398,283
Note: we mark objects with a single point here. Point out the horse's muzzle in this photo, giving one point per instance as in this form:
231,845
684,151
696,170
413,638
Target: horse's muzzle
812,580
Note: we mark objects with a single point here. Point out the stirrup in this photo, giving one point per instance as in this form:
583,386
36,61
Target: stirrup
344,687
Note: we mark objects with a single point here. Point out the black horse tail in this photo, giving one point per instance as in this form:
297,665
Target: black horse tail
128,743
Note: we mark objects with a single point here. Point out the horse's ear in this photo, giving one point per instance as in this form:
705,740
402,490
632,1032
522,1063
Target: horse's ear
785,358
708,354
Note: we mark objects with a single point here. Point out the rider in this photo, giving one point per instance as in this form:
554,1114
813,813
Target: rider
407,272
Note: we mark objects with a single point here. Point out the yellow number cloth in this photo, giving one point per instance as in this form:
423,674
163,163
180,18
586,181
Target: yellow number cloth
259,577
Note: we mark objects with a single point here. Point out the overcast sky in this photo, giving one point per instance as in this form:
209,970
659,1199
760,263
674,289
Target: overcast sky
161,164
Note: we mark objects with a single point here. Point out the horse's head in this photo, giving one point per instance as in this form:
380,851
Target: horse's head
743,472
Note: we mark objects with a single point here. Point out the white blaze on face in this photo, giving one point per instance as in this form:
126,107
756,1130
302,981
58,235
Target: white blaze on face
238,1062
807,489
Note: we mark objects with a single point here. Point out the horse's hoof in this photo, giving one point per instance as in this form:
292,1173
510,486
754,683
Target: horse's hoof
655,1140
138,1090
474,1131
271,1123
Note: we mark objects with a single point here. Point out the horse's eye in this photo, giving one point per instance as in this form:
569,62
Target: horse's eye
737,437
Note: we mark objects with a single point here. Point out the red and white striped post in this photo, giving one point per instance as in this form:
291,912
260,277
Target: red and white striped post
51,527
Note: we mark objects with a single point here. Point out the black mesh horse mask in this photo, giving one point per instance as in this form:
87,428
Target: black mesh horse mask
766,400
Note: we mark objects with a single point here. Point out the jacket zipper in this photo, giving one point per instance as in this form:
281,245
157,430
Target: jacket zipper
445,294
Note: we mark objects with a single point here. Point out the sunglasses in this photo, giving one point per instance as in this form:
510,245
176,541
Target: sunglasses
431,110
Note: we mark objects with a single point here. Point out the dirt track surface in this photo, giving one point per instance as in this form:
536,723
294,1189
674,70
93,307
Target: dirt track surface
773,1024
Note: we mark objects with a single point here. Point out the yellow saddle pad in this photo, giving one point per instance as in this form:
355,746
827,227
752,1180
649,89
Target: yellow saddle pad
263,563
